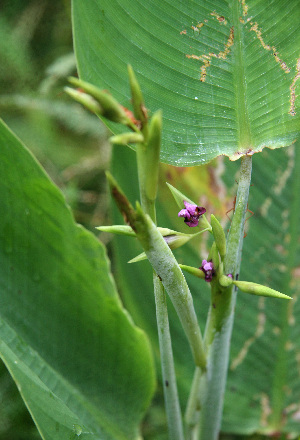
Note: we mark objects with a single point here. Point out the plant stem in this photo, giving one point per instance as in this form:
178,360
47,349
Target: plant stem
166,267
172,405
148,204
236,232
167,363
192,412
220,319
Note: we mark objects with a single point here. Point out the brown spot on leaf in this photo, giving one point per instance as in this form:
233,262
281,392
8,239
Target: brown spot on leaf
258,33
220,18
293,95
206,59
244,7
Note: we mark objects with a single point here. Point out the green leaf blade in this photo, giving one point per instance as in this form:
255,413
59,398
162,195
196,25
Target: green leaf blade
167,45
64,334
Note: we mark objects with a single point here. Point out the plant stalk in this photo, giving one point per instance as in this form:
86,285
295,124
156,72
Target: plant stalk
221,316
148,204
193,408
172,405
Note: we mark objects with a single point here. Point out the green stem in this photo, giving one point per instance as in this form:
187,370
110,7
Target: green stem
166,267
172,405
167,363
148,204
236,232
193,408
220,319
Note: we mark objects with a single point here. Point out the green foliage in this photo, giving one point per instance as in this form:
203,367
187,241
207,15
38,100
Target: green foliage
263,367
200,122
225,74
81,365
37,56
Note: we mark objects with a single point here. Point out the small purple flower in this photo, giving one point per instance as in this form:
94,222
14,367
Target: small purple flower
229,275
191,214
208,269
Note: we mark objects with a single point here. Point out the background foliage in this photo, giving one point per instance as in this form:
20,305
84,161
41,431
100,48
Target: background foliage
36,50
223,72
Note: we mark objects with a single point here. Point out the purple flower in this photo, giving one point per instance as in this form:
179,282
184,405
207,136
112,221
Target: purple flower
191,214
208,269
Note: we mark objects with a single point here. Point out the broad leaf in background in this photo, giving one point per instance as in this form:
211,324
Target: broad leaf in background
225,73
82,367
263,390
264,380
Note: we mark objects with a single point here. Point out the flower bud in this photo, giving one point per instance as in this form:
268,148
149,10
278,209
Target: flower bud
117,229
127,138
193,271
208,269
110,108
225,280
219,236
258,289
86,100
140,111
181,200
191,214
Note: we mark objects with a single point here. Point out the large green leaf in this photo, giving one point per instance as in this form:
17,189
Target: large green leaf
225,73
82,367
264,379
263,390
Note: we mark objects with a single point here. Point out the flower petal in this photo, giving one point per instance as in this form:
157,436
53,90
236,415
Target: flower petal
190,208
192,222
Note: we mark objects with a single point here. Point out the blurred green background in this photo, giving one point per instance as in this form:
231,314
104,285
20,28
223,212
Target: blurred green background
36,56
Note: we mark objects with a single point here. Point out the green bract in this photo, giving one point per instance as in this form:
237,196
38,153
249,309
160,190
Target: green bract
127,138
110,108
219,236
258,289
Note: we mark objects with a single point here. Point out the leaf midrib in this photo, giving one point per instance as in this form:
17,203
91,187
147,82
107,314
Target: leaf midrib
243,123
